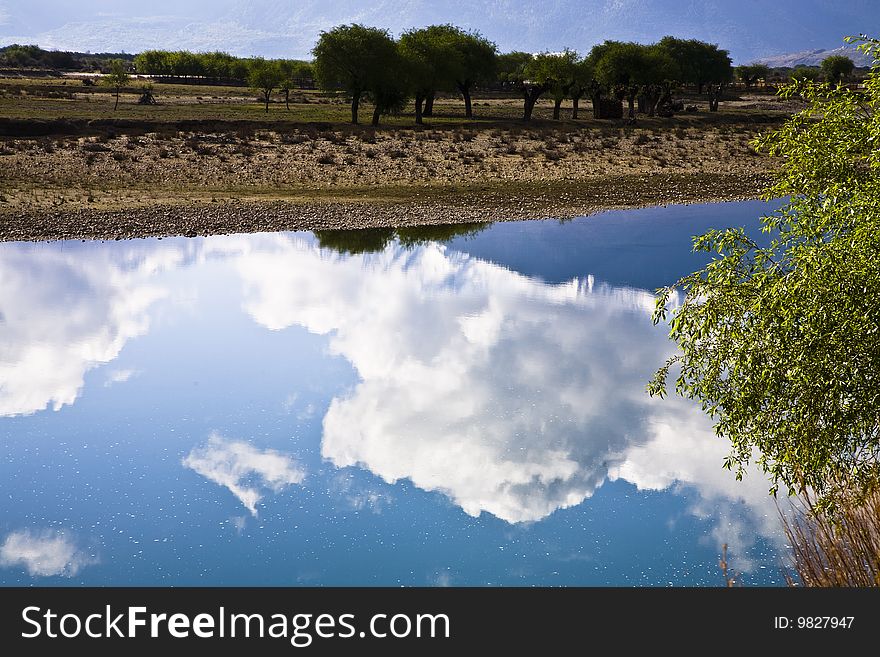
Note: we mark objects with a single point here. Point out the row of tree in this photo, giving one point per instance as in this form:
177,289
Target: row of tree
833,69
216,66
366,62
31,56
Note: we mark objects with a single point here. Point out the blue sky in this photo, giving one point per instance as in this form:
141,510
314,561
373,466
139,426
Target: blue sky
289,28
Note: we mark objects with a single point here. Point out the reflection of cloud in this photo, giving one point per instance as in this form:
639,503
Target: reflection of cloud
43,553
357,495
505,394
67,311
442,579
242,468
508,395
119,376
681,454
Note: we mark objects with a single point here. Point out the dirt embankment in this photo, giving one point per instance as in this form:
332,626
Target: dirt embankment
100,182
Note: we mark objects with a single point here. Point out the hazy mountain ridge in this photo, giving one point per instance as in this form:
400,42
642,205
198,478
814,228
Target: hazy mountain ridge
749,29
815,57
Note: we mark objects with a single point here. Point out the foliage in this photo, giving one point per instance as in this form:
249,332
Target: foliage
215,66
117,78
32,56
751,73
265,76
697,62
432,61
510,67
355,59
781,344
837,67
630,69
810,73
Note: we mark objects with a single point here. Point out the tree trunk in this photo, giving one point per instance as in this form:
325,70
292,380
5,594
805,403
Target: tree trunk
574,107
531,97
527,109
267,101
287,99
631,102
429,105
419,100
465,89
597,105
377,111
355,101
700,87
557,103
117,100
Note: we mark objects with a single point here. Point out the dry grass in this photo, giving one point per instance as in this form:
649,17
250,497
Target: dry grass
836,547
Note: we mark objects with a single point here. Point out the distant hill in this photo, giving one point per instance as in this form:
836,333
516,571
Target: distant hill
815,57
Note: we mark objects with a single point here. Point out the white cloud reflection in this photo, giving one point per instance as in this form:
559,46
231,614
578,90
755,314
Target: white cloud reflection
508,395
64,312
44,553
242,468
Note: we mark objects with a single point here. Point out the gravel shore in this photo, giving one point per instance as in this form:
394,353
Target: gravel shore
459,206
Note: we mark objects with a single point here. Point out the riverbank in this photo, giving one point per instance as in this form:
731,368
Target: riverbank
412,207
68,170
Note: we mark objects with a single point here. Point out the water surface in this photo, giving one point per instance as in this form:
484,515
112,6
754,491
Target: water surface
421,407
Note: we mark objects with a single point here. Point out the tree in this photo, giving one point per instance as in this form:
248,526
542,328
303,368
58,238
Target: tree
353,58
561,77
117,78
390,88
153,62
537,76
433,61
837,67
630,69
509,67
751,73
264,76
780,343
287,73
802,72
697,62
477,64
582,77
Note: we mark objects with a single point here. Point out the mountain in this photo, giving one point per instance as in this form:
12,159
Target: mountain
815,57
749,29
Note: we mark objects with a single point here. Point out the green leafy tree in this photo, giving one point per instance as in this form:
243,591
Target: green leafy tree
353,58
287,70
751,73
836,68
697,62
153,62
477,63
562,78
117,78
433,60
390,89
780,344
186,64
510,66
217,65
630,69
264,77
581,79
802,72
538,75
